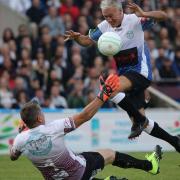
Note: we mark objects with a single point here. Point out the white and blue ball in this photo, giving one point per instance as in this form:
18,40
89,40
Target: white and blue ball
109,43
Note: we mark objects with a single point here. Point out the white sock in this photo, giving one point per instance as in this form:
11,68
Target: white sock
118,98
150,127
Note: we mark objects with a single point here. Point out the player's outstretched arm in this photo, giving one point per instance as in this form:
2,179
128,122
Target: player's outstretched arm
110,85
79,38
157,15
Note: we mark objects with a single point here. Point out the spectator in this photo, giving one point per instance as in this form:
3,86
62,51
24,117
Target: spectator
6,96
35,12
48,103
7,65
5,51
163,34
39,94
76,67
167,71
86,10
90,96
68,7
22,32
155,71
9,79
152,48
82,27
26,43
25,58
19,85
176,62
60,42
47,45
34,85
40,68
21,99
25,72
92,81
61,53
75,99
99,64
161,56
55,3
177,41
59,67
44,29
13,51
54,22
168,49
58,100
68,21
8,35
52,76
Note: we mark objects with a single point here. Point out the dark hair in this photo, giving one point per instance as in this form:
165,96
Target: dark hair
29,113
5,39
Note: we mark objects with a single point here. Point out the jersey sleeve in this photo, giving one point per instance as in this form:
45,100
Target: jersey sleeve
18,144
101,28
63,126
94,34
147,23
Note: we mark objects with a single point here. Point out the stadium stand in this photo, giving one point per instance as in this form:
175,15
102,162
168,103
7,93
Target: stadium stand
35,61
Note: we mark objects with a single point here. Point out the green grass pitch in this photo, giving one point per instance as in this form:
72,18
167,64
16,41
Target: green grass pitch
23,169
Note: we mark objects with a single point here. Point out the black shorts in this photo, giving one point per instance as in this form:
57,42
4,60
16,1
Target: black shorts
139,84
94,164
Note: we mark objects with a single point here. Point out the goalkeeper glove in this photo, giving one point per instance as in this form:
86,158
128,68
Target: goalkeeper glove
108,86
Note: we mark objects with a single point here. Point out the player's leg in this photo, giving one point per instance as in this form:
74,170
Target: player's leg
137,98
127,83
124,101
131,103
160,133
126,161
155,130
94,164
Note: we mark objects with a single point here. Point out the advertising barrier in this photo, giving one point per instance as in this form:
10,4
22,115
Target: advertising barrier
107,129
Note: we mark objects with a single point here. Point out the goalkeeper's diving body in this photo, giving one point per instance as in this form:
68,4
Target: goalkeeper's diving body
44,145
133,62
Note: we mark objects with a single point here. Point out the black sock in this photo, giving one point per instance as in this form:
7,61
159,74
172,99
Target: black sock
160,133
127,105
127,161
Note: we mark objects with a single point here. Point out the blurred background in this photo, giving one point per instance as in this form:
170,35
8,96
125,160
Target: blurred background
35,61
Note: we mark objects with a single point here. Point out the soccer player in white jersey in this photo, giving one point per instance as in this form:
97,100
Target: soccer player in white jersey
44,144
133,62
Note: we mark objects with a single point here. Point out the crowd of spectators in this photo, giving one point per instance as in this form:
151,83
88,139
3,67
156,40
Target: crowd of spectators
37,61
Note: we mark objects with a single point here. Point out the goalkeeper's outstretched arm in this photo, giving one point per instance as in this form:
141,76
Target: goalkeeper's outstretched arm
110,85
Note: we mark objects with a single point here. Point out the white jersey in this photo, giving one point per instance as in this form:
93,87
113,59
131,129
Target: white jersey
134,54
45,147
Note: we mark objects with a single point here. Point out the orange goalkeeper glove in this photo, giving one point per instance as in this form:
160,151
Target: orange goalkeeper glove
108,86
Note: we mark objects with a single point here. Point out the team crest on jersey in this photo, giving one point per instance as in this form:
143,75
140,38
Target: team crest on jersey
39,144
130,34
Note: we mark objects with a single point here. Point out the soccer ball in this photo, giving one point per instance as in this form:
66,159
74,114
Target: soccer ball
109,43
